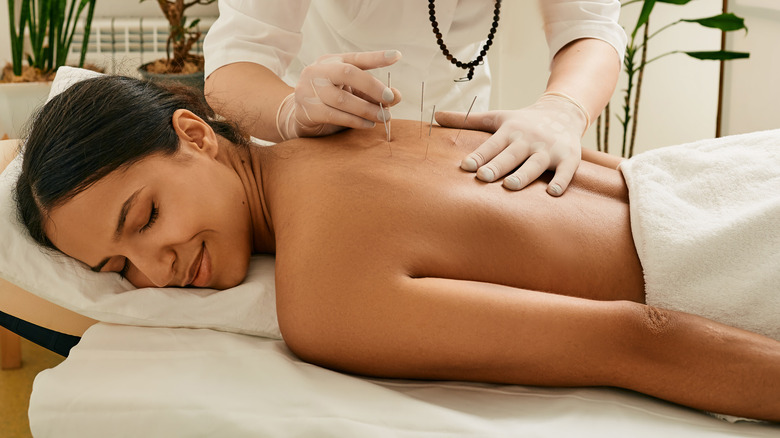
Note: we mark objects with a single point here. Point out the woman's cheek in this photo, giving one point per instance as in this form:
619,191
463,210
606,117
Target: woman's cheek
137,278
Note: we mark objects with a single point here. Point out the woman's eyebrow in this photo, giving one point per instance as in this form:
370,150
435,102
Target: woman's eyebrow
120,225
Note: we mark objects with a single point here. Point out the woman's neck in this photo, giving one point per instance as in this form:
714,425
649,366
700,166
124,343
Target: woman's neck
247,164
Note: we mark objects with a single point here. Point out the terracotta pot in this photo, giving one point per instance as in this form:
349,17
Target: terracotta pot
194,80
17,103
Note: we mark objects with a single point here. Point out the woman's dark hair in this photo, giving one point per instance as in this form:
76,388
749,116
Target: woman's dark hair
93,128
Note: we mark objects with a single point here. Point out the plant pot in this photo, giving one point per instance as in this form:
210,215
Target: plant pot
194,80
18,102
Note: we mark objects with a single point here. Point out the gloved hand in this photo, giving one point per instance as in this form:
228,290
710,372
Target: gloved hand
336,92
542,136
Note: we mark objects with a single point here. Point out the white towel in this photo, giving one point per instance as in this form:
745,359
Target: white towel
705,217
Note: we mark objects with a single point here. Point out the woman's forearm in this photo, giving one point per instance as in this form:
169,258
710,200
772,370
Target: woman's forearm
696,362
587,70
248,94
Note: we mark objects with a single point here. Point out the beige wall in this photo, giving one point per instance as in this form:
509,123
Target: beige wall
5,37
752,91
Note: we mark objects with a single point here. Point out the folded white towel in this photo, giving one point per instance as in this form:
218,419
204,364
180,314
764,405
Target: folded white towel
705,217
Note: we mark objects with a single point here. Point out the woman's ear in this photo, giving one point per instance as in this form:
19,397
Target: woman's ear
194,132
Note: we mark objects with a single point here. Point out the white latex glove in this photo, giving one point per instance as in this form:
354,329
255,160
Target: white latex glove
545,135
336,92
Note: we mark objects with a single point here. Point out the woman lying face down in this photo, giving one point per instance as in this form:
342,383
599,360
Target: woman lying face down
390,260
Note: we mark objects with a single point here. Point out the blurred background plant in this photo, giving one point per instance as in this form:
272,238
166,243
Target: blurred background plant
182,36
634,68
46,27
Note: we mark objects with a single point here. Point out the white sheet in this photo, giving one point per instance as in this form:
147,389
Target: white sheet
123,381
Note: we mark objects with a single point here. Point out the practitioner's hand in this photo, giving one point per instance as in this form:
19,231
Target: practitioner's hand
545,135
336,92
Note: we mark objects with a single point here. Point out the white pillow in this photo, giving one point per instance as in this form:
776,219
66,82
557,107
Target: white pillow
248,308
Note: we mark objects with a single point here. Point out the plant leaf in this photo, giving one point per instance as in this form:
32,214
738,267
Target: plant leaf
675,2
194,23
647,8
87,30
725,22
719,55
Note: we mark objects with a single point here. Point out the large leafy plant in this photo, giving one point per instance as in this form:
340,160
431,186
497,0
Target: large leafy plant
181,35
50,25
636,61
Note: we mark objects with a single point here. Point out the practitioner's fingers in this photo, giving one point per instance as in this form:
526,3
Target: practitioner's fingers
337,92
529,171
360,81
486,152
367,60
346,90
349,69
563,175
543,136
313,111
367,98
488,121
331,104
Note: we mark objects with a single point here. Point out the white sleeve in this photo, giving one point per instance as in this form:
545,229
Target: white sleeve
569,20
266,32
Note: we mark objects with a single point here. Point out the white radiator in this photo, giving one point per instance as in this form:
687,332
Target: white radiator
121,45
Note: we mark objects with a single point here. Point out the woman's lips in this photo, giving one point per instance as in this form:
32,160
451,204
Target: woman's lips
203,274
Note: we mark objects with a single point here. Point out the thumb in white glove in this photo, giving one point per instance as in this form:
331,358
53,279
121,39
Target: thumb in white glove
336,92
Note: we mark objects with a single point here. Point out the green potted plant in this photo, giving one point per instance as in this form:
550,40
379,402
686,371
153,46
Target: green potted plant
180,64
41,35
636,61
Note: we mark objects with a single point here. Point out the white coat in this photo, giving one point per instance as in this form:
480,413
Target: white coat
286,35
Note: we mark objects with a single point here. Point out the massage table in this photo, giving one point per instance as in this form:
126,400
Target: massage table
168,362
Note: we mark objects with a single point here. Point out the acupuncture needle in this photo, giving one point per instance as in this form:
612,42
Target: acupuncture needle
390,122
430,126
384,120
422,98
465,118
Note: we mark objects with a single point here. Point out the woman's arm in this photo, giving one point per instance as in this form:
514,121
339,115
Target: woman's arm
433,328
601,158
586,70
250,95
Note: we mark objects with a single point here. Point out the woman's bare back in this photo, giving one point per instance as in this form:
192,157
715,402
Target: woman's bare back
394,264
354,206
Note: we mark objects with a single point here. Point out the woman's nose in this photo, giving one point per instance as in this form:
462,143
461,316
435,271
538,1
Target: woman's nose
153,270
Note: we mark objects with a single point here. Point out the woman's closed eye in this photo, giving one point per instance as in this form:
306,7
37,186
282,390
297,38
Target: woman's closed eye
153,214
